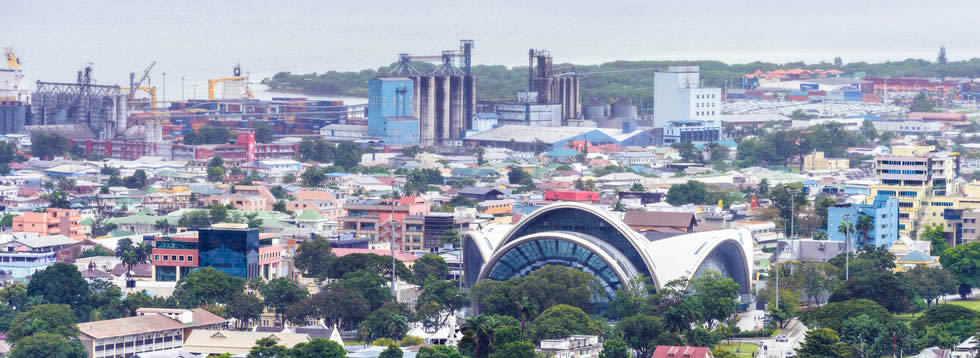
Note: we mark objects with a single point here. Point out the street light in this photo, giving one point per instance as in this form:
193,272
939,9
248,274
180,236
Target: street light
846,227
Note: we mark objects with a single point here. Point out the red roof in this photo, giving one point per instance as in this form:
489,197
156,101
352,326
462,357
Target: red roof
681,352
571,195
399,255
27,192
17,166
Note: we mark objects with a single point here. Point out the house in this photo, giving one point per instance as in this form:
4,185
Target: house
25,255
126,336
915,258
660,221
620,179
562,155
237,343
479,194
634,158
578,346
572,195
682,352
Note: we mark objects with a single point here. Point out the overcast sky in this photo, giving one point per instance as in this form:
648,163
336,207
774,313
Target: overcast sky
201,39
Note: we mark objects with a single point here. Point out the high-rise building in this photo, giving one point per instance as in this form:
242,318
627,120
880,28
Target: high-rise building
917,176
390,110
679,97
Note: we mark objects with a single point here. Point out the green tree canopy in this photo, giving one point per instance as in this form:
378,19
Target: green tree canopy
833,314
560,321
822,343
314,258
61,283
318,348
964,262
207,286
942,313
48,345
888,290
58,319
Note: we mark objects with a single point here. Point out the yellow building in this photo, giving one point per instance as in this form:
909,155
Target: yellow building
816,161
913,259
915,175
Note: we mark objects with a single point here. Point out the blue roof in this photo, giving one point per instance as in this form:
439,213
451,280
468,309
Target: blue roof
337,174
562,152
727,142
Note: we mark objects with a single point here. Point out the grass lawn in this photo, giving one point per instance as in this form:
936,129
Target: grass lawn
970,303
747,349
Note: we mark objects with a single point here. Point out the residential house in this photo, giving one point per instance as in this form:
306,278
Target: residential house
479,194
577,346
682,352
660,221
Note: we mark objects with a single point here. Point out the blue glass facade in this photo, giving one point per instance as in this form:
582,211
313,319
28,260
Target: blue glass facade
580,221
235,252
726,259
528,256
884,230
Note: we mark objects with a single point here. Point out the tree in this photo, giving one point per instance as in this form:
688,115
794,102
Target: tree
637,188
865,224
941,59
208,135
641,333
430,266
268,348
922,103
888,290
614,348
207,286
61,283
438,351
822,343
280,293
715,295
962,261
930,283
348,155
838,62
373,263
833,314
693,192
48,345
479,330
58,199
244,308
935,235
461,201
369,284
318,348
391,352
314,258
58,319
216,174
340,306
97,251
47,146
514,349
789,301
688,153
264,133
390,321
560,321
313,177
546,287
445,295
868,130
943,313
7,221
763,187
289,178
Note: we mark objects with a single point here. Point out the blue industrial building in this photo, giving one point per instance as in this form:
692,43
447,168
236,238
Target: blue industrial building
390,110
884,228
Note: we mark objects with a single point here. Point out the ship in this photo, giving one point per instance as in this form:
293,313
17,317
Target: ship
13,82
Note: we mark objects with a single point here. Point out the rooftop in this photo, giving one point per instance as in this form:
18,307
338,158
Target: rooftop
128,326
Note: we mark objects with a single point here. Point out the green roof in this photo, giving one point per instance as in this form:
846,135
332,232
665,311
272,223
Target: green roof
917,256
87,222
119,233
309,215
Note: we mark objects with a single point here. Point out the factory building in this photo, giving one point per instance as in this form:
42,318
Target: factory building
520,138
678,96
445,100
526,112
606,115
551,86
13,115
390,110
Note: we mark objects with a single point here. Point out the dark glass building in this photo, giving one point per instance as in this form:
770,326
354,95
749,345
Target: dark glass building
233,251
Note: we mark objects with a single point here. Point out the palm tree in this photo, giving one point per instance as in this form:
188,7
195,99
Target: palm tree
479,327
763,188
864,224
847,229
528,309
162,225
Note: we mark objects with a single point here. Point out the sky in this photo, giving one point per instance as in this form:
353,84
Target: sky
198,40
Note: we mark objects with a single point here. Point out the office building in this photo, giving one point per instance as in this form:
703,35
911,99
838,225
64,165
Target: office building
678,96
884,229
915,175
390,110
697,131
52,221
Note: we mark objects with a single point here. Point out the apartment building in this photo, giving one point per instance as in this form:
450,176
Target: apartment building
52,221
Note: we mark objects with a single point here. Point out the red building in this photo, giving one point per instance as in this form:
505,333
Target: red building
572,195
244,150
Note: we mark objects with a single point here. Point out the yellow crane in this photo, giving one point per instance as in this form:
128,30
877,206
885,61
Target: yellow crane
238,77
152,91
12,60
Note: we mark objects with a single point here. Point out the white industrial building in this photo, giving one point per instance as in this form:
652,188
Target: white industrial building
678,96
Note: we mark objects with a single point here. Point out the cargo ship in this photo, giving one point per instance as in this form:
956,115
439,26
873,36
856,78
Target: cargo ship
13,82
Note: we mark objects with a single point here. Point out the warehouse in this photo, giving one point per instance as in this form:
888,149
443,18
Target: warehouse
522,138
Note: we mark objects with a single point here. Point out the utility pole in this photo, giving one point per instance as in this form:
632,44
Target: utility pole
164,94
847,250
182,88
792,213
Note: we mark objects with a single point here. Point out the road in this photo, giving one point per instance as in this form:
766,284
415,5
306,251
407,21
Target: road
769,348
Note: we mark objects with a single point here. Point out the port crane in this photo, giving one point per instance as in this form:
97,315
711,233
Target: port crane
12,60
237,77
151,91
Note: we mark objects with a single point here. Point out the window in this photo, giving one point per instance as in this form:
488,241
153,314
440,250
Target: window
173,257
164,257
156,257
181,258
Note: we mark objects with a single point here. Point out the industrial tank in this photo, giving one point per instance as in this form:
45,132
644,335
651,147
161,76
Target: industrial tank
623,108
595,110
